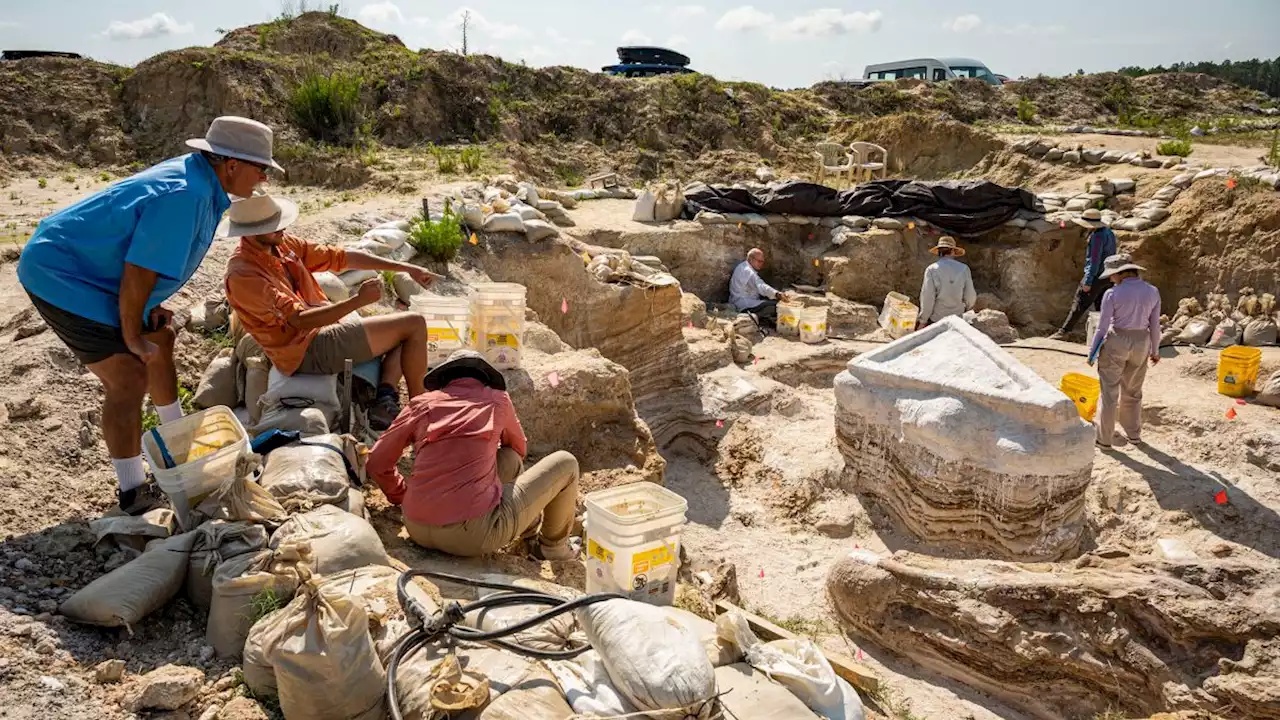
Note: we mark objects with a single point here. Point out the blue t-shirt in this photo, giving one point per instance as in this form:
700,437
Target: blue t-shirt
162,219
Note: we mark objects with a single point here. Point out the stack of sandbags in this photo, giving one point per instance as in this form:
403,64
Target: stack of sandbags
389,240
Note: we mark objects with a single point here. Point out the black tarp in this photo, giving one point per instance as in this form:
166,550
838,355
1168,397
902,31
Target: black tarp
964,207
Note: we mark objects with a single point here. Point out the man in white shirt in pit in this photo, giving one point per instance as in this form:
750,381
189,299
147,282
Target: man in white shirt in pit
750,294
948,285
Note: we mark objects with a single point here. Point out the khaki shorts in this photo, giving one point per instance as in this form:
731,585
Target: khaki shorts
331,347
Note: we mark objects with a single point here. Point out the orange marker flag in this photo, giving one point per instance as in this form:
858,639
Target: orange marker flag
1231,414
1220,497
1231,183
474,240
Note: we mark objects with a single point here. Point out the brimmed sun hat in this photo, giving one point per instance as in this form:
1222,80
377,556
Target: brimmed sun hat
257,215
464,363
239,138
946,242
1117,264
1091,219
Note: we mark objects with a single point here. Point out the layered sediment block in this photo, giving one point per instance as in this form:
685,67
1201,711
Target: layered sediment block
964,446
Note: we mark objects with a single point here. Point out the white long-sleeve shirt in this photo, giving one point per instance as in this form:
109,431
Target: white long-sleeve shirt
746,289
947,290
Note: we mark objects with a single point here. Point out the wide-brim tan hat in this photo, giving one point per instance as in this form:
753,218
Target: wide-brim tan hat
1117,264
948,243
464,363
257,215
239,138
1091,219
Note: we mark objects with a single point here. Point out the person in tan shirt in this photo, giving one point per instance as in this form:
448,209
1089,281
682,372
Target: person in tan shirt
270,286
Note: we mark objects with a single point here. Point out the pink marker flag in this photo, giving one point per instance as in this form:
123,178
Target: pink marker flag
553,378
564,305
719,423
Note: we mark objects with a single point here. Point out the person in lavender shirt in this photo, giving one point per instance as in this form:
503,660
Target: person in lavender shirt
1128,337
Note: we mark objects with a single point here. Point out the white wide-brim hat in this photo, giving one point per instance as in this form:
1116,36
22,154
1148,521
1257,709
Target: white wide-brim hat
239,138
1090,219
1118,263
257,215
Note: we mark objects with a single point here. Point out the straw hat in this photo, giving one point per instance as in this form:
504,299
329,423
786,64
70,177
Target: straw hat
240,138
1091,219
1117,264
257,215
465,363
946,242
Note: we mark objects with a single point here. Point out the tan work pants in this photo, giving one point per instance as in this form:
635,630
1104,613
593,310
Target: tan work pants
548,490
1122,367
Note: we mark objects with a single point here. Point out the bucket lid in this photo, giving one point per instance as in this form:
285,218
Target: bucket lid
635,503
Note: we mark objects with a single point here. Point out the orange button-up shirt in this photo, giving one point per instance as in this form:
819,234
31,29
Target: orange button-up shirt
267,287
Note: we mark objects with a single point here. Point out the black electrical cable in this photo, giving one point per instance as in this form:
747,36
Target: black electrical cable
427,627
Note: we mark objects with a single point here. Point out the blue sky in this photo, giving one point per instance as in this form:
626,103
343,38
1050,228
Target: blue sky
784,44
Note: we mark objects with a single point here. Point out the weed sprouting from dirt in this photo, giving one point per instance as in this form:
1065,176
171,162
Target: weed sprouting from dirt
1179,148
894,705
1273,155
446,159
151,419
471,159
265,603
571,177
1026,110
328,108
389,281
438,239
43,183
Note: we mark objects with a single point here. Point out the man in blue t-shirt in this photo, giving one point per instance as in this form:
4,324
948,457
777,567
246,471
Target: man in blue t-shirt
99,270
1102,245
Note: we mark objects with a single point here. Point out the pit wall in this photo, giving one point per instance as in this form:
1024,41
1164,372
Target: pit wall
1030,275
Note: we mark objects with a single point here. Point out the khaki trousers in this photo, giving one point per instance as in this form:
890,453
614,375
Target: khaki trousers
1122,367
548,490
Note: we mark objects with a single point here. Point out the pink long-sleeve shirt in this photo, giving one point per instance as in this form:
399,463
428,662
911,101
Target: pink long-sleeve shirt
456,433
1134,304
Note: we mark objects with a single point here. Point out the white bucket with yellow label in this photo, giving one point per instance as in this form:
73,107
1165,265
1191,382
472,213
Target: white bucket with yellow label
633,541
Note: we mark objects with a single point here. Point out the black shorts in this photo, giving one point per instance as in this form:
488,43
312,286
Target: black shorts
89,340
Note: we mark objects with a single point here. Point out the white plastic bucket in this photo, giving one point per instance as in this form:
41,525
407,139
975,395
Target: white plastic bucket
788,319
1091,326
813,325
448,324
633,541
204,448
497,323
898,315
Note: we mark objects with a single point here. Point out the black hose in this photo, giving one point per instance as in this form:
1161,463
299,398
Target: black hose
427,627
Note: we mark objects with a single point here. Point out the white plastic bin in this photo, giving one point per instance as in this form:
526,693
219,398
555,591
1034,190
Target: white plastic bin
813,325
633,541
204,448
898,315
788,319
448,324
1091,326
497,323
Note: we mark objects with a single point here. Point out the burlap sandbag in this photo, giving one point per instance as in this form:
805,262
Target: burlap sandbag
1197,332
1269,391
325,663
134,590
308,474
559,633
1226,334
218,384
236,584
338,540
241,499
375,587
1260,331
133,533
216,542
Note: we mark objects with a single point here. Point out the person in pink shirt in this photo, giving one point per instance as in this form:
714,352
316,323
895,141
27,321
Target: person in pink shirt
1128,337
467,496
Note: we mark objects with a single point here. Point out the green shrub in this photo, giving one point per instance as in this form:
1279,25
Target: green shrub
328,108
471,158
43,183
1273,155
438,239
570,176
446,159
1180,148
1026,110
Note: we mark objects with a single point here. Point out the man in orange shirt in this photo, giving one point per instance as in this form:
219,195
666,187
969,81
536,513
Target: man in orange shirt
280,304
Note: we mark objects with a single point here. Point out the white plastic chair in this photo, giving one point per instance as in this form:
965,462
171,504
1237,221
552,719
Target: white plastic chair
833,159
868,159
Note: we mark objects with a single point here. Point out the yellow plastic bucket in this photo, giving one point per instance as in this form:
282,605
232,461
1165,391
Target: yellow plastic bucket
1238,370
1083,391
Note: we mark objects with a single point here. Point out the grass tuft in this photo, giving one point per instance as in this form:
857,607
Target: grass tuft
328,108
438,239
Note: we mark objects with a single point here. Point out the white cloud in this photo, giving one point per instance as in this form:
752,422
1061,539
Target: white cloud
684,12
635,37
963,23
830,21
1228,45
420,20
382,13
1026,30
148,27
677,41
744,18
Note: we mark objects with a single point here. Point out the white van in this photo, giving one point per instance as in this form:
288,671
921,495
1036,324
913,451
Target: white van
932,70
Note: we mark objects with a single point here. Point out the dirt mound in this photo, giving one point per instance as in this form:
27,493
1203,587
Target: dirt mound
1105,96
313,33
924,147
61,108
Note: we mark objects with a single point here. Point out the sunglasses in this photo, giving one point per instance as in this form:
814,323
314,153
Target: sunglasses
258,166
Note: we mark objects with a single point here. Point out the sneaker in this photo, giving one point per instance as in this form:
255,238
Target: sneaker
140,499
383,412
563,552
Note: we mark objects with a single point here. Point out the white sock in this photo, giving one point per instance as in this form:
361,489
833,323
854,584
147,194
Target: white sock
169,413
130,472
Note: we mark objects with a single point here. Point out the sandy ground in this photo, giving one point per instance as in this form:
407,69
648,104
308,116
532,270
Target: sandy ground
1138,495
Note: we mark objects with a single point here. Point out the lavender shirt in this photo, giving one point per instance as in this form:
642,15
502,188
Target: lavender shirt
1134,304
